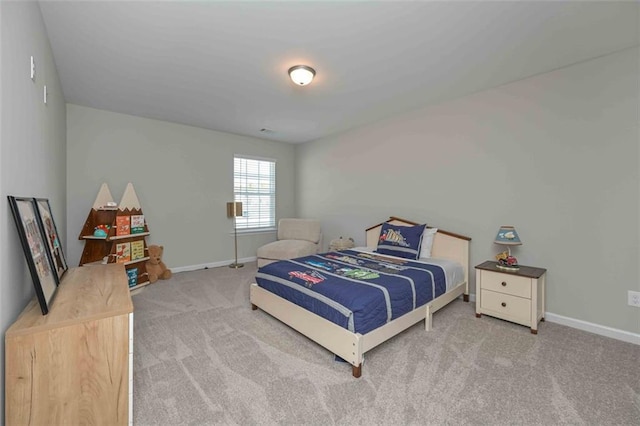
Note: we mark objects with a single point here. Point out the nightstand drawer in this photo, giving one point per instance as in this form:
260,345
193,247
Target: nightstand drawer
505,306
505,283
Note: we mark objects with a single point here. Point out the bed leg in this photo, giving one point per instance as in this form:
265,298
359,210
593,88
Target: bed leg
427,319
356,370
465,297
253,307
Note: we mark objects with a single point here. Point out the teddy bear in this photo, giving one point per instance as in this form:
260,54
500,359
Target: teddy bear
155,266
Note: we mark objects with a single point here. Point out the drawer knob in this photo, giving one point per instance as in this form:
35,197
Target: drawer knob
504,283
504,305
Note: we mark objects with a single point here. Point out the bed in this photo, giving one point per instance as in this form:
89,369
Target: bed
346,340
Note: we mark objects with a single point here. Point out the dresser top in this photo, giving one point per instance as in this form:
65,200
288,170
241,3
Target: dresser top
524,271
86,293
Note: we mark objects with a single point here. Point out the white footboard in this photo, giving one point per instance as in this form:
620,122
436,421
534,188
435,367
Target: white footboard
347,345
340,341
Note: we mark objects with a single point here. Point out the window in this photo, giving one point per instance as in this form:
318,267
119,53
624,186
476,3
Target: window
254,184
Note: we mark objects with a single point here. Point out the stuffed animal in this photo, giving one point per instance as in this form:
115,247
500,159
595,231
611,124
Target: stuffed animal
155,266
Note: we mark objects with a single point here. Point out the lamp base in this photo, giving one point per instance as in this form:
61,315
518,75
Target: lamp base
514,268
236,265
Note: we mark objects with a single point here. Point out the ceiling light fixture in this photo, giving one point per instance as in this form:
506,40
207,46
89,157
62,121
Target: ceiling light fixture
302,74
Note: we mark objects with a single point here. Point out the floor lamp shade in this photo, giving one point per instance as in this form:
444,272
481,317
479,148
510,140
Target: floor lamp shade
234,209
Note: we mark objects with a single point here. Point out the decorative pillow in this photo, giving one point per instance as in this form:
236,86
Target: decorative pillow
401,241
427,241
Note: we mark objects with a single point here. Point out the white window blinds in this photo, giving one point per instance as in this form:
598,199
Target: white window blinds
254,185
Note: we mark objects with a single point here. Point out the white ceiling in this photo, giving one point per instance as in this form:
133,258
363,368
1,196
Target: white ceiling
222,65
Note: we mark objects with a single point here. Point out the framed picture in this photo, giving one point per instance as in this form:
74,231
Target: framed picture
33,242
50,231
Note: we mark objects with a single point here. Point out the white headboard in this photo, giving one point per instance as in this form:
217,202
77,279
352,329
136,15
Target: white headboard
446,244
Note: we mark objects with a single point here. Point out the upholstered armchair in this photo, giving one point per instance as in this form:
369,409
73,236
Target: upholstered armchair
296,238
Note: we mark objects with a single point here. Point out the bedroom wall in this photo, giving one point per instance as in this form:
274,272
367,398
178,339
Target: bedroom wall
182,175
555,155
32,147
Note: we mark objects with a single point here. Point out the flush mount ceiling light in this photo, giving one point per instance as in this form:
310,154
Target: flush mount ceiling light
302,74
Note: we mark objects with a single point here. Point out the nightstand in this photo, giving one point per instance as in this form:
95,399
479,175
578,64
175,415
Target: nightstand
513,296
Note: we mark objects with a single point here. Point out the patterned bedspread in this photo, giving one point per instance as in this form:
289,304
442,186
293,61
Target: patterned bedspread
357,290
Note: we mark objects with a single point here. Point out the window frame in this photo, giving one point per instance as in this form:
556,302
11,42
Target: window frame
242,194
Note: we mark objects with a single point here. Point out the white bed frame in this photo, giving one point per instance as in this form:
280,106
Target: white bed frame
352,346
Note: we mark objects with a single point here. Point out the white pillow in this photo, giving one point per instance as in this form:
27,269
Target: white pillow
427,241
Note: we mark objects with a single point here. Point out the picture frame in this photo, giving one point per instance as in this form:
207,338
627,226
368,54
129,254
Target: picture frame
50,231
25,215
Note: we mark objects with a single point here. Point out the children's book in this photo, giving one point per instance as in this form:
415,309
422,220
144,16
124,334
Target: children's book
123,252
137,250
137,223
123,225
132,275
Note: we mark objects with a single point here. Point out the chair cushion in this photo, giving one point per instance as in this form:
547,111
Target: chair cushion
287,249
299,229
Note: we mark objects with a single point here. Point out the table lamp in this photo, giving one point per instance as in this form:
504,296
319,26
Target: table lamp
507,236
234,210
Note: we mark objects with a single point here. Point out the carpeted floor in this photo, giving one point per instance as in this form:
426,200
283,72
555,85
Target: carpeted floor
202,356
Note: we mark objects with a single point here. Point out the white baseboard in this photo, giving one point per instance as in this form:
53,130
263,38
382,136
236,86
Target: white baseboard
601,330
211,265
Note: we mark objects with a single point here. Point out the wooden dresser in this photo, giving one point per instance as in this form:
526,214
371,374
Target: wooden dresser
73,365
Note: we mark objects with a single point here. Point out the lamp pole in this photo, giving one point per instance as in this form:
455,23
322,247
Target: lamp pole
236,265
234,209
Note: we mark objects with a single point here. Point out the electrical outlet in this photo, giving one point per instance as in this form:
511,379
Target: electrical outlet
634,298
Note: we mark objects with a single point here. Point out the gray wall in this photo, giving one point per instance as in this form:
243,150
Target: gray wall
555,155
32,147
183,177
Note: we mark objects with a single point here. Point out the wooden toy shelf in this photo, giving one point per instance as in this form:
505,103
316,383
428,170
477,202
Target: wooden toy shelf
117,246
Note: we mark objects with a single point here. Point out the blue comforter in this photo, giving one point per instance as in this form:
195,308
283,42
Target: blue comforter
357,290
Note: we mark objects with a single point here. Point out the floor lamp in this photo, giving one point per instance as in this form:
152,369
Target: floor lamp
234,210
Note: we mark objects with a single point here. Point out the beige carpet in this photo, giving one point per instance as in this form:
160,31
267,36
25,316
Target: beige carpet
202,356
